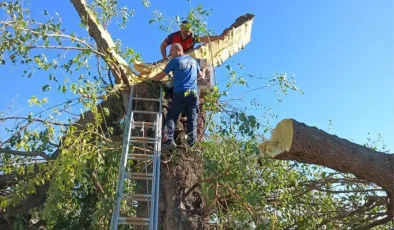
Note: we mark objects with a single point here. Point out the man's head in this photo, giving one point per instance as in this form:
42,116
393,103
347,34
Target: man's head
186,28
176,50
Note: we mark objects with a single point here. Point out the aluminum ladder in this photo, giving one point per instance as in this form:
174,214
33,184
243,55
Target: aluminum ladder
140,153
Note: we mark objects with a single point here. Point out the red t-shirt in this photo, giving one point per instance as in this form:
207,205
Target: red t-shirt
187,43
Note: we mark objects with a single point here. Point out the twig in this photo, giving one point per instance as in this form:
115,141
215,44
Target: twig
33,119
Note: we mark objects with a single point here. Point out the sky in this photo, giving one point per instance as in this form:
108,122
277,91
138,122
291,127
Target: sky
341,53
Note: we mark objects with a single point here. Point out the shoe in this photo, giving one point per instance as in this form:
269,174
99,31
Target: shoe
170,144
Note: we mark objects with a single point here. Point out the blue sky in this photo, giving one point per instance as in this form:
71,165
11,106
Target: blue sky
341,52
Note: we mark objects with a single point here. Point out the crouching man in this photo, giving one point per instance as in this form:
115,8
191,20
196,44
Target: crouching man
185,71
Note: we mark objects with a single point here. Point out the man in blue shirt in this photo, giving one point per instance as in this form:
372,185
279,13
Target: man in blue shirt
185,71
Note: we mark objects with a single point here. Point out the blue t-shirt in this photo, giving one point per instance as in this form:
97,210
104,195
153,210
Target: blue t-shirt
184,70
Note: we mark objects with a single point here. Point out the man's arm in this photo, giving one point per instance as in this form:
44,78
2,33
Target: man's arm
163,47
169,67
166,43
159,76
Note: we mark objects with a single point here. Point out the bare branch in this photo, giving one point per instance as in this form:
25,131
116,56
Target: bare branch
56,34
374,224
25,154
97,183
64,48
346,191
33,119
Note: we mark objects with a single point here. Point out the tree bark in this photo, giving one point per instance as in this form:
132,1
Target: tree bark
296,141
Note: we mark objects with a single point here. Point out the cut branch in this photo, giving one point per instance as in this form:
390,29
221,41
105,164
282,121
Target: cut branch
296,141
119,67
216,52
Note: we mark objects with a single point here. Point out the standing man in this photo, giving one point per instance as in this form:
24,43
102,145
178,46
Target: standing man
185,38
185,71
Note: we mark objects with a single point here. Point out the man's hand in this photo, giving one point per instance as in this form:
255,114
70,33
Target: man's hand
203,73
207,72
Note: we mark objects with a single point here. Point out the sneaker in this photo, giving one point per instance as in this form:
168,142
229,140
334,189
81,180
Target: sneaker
170,144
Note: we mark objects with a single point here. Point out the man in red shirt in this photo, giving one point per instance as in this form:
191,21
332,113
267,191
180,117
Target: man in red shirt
186,38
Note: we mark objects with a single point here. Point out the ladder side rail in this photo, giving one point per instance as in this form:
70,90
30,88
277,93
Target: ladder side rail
158,163
123,163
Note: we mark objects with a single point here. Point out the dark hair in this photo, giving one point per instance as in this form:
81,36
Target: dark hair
186,22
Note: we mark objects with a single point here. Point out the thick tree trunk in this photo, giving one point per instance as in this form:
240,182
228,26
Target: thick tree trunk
296,141
180,207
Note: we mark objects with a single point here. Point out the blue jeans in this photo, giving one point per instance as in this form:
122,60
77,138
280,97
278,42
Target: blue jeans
189,105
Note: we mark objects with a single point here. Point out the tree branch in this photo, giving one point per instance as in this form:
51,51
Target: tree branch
119,67
97,183
64,48
293,140
26,154
374,224
33,119
56,34
345,191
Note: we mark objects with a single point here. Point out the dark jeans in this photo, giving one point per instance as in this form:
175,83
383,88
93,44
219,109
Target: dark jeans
189,105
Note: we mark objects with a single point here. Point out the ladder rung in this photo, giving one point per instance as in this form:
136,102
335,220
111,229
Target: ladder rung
147,112
129,218
133,220
143,138
139,155
139,176
142,141
143,123
137,197
142,149
139,159
146,99
135,223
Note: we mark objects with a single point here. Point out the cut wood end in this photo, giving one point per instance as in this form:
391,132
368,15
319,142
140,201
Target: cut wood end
280,141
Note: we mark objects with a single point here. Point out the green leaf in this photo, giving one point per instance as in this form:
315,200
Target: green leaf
106,111
46,88
64,88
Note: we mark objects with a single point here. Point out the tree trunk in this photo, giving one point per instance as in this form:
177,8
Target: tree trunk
181,204
296,141
179,207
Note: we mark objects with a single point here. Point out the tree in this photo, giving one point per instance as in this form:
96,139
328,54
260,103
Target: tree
49,165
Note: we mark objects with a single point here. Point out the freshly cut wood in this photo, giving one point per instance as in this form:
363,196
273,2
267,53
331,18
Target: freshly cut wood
239,34
292,140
